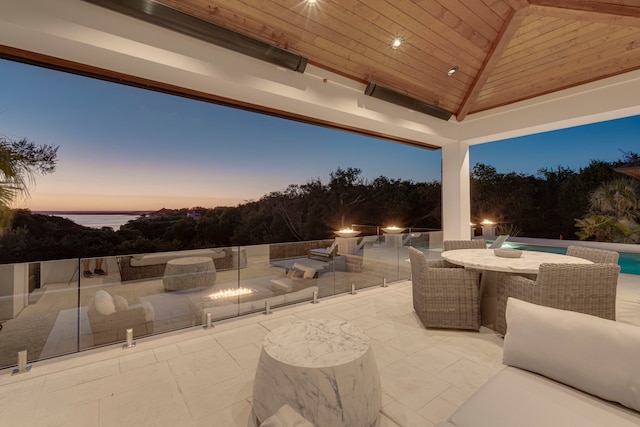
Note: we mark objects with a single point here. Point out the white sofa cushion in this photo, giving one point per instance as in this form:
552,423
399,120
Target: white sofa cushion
515,397
595,355
141,260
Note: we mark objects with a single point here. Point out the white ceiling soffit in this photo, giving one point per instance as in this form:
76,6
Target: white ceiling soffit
78,31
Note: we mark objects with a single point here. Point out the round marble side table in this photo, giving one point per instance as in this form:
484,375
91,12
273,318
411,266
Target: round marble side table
189,273
324,369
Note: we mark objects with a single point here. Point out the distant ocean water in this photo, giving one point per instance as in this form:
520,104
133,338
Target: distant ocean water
100,220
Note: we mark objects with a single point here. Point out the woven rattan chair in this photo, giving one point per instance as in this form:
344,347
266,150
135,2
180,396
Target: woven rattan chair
599,256
444,297
585,288
450,245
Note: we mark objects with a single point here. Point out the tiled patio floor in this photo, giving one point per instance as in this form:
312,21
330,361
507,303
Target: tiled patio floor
198,377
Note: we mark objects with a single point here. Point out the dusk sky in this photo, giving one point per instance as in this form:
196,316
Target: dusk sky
123,148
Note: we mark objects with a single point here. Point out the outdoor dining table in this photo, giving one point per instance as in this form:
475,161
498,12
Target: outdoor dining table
491,264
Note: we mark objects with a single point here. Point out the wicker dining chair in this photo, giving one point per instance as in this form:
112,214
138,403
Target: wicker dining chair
450,245
599,256
444,297
584,288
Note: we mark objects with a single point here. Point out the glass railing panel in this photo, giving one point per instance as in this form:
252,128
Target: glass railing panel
38,310
302,268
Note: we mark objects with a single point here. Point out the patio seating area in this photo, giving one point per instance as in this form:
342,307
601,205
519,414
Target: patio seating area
199,376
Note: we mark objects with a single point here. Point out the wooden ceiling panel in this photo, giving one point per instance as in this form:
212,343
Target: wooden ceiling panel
560,62
506,50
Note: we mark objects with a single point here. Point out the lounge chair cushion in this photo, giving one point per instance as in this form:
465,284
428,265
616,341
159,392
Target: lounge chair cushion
592,354
141,260
308,272
103,303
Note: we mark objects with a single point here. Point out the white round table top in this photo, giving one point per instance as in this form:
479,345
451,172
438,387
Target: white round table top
190,260
316,343
528,263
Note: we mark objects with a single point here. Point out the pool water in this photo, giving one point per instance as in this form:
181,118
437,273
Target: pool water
629,263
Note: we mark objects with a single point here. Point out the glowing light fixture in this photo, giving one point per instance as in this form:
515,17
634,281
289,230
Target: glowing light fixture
487,222
231,292
347,232
397,42
451,71
392,230
312,2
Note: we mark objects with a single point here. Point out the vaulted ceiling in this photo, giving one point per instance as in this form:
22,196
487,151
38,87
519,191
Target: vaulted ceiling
504,50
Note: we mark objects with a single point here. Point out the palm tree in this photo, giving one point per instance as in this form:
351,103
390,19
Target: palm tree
619,198
614,210
19,161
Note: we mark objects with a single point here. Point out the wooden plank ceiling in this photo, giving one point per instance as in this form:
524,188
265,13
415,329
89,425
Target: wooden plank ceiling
505,50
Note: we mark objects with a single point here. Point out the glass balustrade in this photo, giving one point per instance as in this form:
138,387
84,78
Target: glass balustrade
52,308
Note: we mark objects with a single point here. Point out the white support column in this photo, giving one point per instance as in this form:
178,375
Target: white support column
456,193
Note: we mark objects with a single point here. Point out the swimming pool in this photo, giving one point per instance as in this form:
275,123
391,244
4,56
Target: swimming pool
629,263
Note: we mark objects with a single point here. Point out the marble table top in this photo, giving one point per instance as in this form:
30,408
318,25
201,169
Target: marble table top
316,343
528,263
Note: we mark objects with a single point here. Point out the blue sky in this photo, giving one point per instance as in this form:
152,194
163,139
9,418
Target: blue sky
123,148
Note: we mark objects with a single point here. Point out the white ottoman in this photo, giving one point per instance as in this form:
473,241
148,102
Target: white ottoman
323,369
189,273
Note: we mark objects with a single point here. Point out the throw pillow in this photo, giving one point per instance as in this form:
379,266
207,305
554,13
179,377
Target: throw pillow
120,303
592,354
103,303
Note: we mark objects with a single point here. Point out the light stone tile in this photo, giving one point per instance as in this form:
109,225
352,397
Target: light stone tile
18,401
271,323
411,342
481,350
167,352
385,354
203,368
456,395
431,359
366,322
242,336
157,403
466,374
237,415
246,356
322,312
438,410
403,416
83,374
414,388
136,360
383,421
386,399
85,415
208,399
192,345
386,331
99,388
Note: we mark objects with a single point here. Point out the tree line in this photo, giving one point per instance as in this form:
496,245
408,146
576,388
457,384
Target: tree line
548,204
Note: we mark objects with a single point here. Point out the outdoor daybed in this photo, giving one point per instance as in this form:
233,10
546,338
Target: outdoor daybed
147,266
563,369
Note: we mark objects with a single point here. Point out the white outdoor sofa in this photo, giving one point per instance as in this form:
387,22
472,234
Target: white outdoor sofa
563,369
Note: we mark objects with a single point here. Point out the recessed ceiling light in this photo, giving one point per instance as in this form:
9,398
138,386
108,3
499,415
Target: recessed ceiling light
312,2
451,71
397,42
